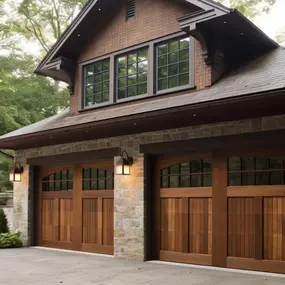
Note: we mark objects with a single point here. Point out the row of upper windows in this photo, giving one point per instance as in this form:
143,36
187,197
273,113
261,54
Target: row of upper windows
171,70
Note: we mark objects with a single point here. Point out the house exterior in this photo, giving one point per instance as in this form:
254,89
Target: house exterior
194,93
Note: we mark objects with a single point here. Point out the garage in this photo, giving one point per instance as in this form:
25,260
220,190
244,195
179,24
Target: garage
224,208
76,207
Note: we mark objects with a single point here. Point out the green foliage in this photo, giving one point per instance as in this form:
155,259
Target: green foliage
280,37
250,8
41,21
11,240
4,228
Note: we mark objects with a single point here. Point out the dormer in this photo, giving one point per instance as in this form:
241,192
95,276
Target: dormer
119,51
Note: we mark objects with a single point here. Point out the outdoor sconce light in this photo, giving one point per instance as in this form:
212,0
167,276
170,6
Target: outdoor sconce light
123,166
15,173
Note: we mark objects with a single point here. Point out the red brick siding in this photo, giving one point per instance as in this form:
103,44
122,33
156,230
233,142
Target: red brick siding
154,19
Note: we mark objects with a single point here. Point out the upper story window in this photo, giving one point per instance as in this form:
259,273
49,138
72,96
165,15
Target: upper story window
173,64
96,83
158,67
132,74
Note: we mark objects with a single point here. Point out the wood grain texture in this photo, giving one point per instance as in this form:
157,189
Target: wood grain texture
89,221
274,220
220,216
77,220
241,220
65,220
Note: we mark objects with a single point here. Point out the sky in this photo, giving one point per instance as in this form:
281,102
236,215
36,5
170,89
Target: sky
272,22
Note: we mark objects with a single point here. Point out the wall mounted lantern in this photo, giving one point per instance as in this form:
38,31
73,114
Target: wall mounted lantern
15,173
123,166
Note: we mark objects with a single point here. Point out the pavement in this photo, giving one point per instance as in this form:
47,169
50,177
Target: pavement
30,266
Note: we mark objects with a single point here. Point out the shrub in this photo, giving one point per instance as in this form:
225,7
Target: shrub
11,240
4,228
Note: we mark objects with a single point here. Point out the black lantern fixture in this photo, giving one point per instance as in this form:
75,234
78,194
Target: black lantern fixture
123,166
15,173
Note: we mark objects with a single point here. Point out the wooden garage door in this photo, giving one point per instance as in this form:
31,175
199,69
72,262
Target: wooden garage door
256,212
185,206
228,211
76,207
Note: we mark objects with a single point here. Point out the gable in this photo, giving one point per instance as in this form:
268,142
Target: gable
153,19
222,32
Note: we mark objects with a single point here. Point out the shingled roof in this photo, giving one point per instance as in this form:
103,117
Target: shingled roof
266,73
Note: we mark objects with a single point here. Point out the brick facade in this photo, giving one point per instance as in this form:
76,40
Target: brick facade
129,191
154,19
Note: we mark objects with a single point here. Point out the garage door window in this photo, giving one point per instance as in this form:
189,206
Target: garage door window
97,179
243,171
196,173
58,181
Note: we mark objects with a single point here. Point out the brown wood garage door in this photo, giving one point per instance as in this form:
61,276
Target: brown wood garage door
225,209
76,207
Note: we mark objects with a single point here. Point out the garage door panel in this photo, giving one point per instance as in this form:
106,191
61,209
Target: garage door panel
200,224
108,222
171,224
90,221
65,220
274,228
241,227
47,226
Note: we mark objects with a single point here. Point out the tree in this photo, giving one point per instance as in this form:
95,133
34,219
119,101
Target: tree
280,37
250,8
40,21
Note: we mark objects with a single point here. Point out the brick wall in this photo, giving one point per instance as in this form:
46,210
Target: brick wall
129,198
154,19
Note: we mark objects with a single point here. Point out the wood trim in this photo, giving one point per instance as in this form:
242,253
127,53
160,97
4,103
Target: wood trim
77,209
98,194
258,209
185,225
100,221
102,249
157,234
256,191
259,265
75,157
219,204
200,259
57,244
198,192
58,194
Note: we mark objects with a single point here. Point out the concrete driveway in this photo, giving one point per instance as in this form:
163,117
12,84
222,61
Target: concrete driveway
29,266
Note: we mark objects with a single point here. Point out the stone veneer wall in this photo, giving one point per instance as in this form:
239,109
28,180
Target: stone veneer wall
129,198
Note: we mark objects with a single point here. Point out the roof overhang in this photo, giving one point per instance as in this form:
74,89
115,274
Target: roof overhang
207,26
252,106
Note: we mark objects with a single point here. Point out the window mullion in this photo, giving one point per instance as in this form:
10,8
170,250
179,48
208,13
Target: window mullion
151,67
112,83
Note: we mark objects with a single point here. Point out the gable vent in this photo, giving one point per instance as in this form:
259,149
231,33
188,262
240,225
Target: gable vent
130,9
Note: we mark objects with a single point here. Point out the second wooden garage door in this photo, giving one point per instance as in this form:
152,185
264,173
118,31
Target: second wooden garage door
77,207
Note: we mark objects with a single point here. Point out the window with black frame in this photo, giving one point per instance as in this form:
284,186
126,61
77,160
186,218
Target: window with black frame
132,74
246,171
96,83
172,66
58,181
196,173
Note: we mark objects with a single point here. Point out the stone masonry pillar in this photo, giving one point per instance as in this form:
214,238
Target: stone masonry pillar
129,220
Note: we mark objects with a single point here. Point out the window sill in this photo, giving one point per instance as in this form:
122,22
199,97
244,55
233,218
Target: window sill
138,98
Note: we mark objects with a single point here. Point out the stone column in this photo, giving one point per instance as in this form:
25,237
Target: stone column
129,220
21,207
